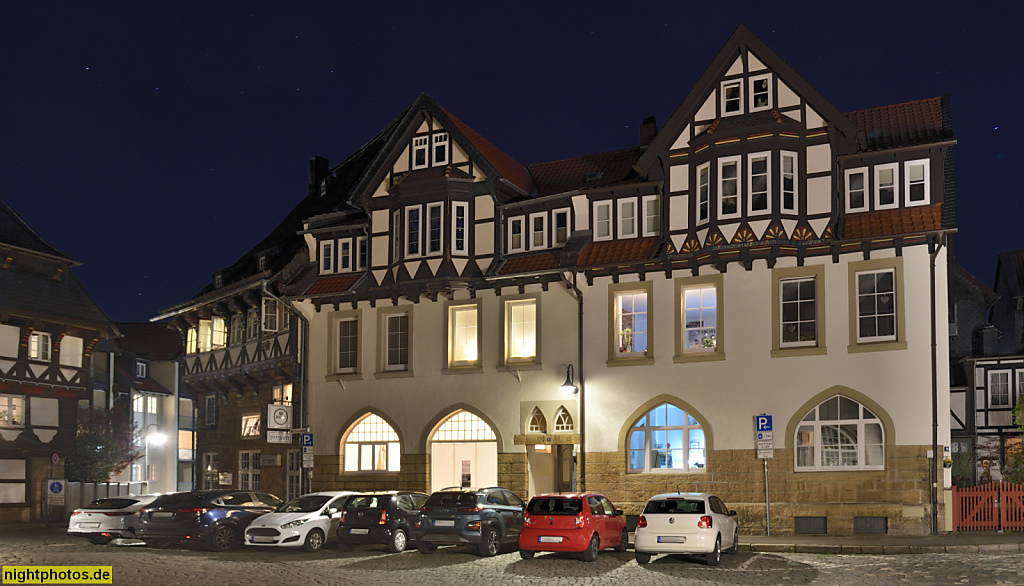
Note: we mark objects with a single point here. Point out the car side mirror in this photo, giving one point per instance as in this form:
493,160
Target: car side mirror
732,513
618,512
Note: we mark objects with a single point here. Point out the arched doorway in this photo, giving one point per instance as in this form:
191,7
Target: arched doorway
463,452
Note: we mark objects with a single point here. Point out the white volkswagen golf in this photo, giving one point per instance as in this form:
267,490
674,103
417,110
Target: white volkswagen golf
307,521
687,522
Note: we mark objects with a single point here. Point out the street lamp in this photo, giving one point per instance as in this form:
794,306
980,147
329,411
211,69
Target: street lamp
568,387
156,438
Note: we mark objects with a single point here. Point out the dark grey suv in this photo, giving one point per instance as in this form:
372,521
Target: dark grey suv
484,517
380,518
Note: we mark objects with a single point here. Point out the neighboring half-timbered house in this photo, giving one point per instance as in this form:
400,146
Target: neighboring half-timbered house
49,327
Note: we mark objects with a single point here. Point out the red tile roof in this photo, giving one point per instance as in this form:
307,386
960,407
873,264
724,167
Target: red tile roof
508,167
899,125
892,222
613,251
332,284
572,174
530,263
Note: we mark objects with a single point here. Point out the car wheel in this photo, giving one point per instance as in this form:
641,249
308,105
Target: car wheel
491,542
735,547
590,554
314,540
526,554
399,541
222,539
715,555
426,547
623,542
642,558
99,539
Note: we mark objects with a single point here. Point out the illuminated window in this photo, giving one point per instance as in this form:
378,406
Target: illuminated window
372,446
521,329
666,438
12,411
218,333
701,318
283,394
840,433
463,333
140,369
251,426
39,344
192,341
537,422
464,426
631,323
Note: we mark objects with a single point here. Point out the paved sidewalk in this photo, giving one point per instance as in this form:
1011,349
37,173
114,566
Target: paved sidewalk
972,542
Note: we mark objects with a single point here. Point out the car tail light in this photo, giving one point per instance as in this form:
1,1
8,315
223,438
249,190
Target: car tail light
343,515
418,524
117,514
142,511
641,522
77,512
197,511
383,518
473,526
705,522
105,534
526,518
579,519
475,509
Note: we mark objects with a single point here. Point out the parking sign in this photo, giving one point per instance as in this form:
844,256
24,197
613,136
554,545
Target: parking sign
763,423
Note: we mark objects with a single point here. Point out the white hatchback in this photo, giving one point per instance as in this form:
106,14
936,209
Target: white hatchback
306,521
687,522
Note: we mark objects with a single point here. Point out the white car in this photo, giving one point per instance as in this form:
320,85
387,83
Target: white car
106,519
687,522
306,521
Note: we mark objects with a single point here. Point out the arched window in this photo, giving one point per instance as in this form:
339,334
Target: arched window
537,422
563,421
371,446
464,426
840,433
666,438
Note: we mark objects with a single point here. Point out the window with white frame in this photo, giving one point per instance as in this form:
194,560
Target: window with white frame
210,412
999,388
561,228
463,324
345,255
603,220
413,230
885,186
39,345
435,227
876,305
703,192
538,423
857,189
251,426
269,314
151,405
789,191
140,369
627,218
218,332
538,231
294,474
139,404
798,312
521,330
348,345
420,144
631,323
192,340
397,341
515,234
211,472
362,253
666,438
205,335
460,219
253,318
1020,385
396,231
700,315
283,394
249,470
12,411
759,180
732,98
651,221
840,433
372,446
326,257
915,184
237,329
441,149
463,426
563,421
729,187
760,92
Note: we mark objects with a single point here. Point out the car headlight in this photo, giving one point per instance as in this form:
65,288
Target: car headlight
294,524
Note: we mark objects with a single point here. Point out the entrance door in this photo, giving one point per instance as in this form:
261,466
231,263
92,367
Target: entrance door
463,453
565,467
541,460
964,465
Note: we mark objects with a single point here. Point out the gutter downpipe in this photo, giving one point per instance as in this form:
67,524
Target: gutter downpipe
933,470
579,374
303,376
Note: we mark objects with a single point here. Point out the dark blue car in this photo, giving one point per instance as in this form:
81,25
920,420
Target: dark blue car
214,518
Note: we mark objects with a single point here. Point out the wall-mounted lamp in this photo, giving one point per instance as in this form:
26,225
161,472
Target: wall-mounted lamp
568,387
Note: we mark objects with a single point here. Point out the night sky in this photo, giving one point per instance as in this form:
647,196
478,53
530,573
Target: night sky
157,142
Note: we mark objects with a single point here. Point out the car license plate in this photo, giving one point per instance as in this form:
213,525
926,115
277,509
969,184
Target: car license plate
162,515
88,525
260,539
671,539
550,539
444,523
358,531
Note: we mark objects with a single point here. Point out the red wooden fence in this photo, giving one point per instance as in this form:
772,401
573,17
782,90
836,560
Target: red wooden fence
989,507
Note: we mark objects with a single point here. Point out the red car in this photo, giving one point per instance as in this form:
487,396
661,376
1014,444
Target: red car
580,522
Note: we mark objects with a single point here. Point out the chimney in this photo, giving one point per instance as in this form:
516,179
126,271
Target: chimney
986,341
318,169
648,130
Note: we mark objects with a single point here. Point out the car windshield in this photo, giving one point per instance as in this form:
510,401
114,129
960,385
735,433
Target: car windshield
555,506
368,501
452,499
303,504
106,504
177,501
675,506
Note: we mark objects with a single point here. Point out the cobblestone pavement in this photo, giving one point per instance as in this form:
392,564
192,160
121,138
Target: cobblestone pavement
142,566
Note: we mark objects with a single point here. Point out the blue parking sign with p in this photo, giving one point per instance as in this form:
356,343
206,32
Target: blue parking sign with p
307,440
763,423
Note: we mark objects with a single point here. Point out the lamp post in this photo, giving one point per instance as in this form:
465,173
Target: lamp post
156,438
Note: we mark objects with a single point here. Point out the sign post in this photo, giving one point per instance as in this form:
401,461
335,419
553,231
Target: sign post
765,450
307,450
